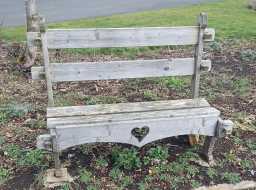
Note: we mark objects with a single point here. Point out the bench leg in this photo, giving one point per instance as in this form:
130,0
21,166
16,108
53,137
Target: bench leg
56,155
207,151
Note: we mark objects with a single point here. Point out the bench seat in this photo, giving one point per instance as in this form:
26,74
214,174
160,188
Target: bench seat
131,123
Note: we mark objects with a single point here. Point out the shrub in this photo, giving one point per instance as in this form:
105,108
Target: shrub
4,174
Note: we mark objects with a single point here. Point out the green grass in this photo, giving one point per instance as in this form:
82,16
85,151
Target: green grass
230,18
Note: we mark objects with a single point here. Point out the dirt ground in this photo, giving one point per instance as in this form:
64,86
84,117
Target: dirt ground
230,87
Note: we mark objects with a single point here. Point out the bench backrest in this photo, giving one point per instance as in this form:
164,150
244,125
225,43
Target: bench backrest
124,37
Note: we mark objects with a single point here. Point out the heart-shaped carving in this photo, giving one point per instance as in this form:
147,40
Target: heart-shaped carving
140,133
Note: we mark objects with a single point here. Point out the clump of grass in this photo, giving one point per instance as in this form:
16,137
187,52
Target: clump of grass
13,110
241,86
24,157
150,96
248,55
4,175
231,177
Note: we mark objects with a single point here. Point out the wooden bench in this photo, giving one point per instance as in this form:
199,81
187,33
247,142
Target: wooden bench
132,123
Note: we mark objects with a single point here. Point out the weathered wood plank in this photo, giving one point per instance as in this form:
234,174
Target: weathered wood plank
120,132
126,107
118,69
125,37
119,117
48,69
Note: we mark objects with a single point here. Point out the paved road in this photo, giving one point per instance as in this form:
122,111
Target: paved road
12,11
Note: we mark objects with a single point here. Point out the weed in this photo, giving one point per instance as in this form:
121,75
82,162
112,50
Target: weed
13,151
13,110
230,157
212,173
142,186
65,187
101,163
126,181
32,158
195,184
191,171
150,96
125,158
158,153
116,174
215,46
2,140
241,86
231,177
91,187
4,175
176,181
174,83
23,157
246,164
85,176
251,145
248,55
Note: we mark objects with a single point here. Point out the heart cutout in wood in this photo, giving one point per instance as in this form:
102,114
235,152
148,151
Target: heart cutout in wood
140,133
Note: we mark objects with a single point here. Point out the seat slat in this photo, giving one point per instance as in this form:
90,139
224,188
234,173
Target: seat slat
118,117
125,37
118,69
125,107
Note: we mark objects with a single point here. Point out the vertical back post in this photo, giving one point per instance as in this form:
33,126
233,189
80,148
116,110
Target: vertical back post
48,73
202,23
33,32
47,65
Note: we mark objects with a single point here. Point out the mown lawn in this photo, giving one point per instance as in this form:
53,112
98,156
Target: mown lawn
230,18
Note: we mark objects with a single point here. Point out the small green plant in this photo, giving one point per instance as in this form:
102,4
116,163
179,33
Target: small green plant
4,175
23,157
2,140
191,171
13,151
174,83
215,46
125,158
248,55
241,86
150,96
101,163
85,176
212,173
176,181
195,184
231,177
251,145
32,158
158,153
116,174
230,157
119,177
246,164
65,187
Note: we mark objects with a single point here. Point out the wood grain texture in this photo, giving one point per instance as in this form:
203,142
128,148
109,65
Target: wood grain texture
118,69
120,132
126,107
118,117
125,37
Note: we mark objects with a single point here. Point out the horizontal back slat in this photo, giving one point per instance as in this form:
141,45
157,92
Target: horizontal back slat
125,37
118,69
